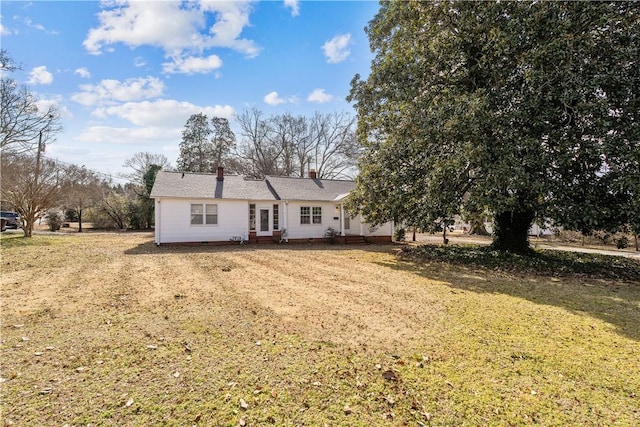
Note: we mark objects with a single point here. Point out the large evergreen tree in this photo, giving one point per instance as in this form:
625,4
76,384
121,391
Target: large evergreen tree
527,108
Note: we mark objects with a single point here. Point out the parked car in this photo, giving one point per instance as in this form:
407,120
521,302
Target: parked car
10,220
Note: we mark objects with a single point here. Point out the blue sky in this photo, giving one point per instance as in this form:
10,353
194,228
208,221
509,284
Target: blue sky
126,75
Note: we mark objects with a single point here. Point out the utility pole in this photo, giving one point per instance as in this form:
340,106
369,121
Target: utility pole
40,150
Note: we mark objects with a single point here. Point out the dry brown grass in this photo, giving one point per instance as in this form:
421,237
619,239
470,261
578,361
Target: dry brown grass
107,329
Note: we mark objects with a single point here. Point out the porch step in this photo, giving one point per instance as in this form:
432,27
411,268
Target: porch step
264,240
355,240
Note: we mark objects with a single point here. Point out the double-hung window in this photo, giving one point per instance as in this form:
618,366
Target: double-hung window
204,214
310,215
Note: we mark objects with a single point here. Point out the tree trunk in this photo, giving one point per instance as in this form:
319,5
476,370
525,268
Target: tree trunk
511,231
478,228
79,220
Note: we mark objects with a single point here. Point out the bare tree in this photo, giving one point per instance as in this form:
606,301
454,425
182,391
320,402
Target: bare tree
24,126
287,145
140,164
31,185
287,134
257,153
333,148
83,189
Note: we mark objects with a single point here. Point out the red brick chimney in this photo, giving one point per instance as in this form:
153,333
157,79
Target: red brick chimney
312,174
220,173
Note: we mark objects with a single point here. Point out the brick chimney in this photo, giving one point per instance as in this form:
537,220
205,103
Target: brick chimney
220,176
312,174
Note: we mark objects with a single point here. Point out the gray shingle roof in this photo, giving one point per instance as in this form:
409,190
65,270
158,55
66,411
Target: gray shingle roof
206,186
309,188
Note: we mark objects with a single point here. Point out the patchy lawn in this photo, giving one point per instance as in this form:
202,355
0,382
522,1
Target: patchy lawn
107,329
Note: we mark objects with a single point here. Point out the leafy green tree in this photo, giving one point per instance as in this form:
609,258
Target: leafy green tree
205,144
196,150
223,140
525,109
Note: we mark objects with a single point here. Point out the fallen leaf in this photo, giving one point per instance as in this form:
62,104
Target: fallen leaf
129,402
389,375
176,374
152,347
347,410
242,422
244,404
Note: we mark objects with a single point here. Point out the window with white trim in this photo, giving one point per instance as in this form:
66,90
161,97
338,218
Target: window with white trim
276,218
204,214
252,217
310,215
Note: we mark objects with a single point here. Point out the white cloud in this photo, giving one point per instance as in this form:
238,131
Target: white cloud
44,104
179,28
319,96
294,5
40,76
83,72
109,91
272,98
192,65
139,61
4,31
162,112
337,49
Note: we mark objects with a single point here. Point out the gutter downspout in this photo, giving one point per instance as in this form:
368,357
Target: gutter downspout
158,225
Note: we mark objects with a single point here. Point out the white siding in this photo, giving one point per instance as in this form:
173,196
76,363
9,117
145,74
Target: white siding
359,227
385,229
330,218
295,230
173,221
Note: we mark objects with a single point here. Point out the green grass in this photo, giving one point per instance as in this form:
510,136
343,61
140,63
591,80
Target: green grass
14,240
498,345
540,262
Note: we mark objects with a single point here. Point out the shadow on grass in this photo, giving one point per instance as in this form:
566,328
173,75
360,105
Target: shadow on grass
600,286
150,247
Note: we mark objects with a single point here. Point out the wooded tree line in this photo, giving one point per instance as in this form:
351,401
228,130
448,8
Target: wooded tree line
526,110
280,145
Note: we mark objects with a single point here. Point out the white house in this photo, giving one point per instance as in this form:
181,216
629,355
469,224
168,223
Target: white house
219,208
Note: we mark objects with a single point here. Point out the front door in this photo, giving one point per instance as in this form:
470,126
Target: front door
263,223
